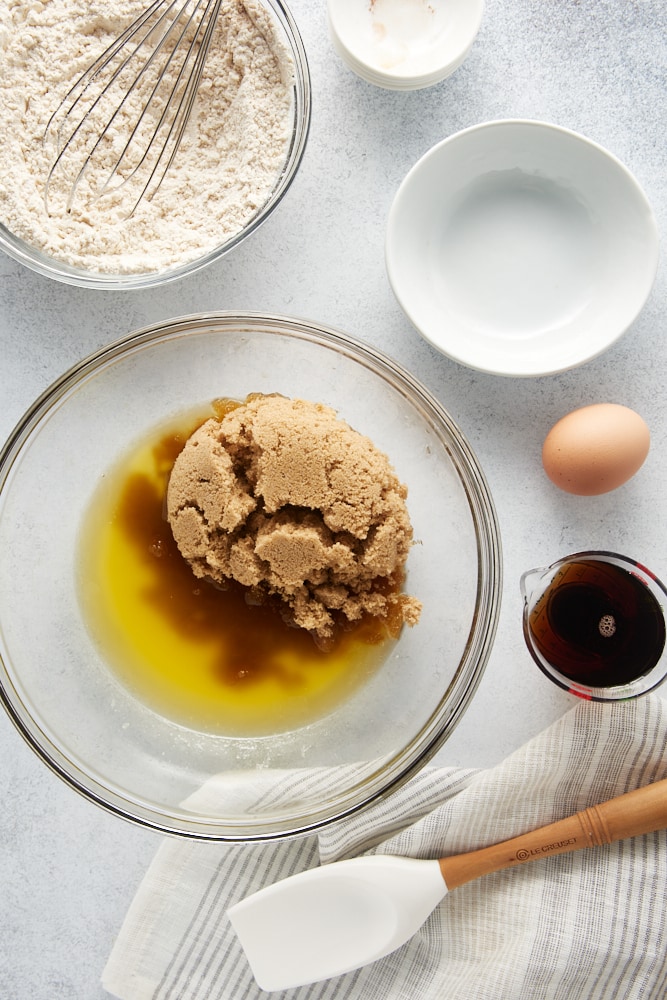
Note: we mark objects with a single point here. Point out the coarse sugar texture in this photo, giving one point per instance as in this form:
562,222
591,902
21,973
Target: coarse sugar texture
231,155
288,500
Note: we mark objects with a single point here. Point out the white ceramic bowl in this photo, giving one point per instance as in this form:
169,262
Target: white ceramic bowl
403,46
520,248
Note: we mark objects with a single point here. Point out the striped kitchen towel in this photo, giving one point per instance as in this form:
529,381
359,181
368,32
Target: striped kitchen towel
588,925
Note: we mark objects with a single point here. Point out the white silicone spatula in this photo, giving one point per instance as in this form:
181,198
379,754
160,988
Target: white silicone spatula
330,920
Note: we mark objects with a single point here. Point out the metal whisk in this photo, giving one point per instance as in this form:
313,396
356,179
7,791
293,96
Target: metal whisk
124,118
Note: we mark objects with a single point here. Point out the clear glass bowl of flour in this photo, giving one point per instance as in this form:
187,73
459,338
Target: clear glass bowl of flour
61,684
242,150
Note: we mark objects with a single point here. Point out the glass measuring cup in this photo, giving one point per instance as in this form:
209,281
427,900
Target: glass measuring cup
594,623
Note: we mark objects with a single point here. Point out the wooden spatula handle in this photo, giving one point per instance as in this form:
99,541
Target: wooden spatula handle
640,811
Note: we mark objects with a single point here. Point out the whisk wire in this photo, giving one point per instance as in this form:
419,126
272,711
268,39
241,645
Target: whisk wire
107,186
183,112
169,29
89,75
133,86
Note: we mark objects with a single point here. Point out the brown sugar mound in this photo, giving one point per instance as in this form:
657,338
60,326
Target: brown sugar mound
284,497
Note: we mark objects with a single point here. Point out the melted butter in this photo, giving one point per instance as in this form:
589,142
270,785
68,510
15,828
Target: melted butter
201,656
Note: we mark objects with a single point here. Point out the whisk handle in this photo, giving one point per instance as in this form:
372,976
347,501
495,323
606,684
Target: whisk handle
643,810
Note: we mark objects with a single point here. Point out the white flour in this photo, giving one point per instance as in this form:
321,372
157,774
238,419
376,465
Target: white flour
226,167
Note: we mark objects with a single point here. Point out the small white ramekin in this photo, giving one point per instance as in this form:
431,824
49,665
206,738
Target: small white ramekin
403,44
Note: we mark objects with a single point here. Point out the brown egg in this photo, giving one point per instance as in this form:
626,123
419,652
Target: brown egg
595,449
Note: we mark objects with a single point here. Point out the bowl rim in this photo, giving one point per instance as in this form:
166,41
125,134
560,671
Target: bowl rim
42,263
457,351
460,690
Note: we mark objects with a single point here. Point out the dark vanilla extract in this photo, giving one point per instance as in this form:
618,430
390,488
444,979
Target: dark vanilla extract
598,624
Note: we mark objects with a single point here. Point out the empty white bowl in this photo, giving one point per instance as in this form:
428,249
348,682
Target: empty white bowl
403,44
520,248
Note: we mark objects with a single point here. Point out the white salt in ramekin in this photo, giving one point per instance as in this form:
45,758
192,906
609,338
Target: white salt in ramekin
403,44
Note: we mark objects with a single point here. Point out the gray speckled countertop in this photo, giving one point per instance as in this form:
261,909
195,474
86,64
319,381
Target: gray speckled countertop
67,870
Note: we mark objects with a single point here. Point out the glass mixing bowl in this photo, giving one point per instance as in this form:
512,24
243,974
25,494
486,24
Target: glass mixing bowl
107,744
287,34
